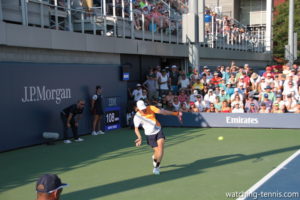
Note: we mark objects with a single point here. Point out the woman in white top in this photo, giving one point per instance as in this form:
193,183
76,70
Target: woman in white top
176,103
163,83
237,108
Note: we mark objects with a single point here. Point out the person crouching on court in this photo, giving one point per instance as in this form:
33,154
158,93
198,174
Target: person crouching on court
70,117
145,116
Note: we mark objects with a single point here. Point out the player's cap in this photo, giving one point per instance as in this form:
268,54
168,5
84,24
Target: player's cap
141,105
48,183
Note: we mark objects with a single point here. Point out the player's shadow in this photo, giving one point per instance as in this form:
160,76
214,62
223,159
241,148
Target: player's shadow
181,171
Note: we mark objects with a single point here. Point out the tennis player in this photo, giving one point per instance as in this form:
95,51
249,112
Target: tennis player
145,116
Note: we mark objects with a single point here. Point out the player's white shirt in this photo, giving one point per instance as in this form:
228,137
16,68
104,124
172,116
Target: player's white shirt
149,123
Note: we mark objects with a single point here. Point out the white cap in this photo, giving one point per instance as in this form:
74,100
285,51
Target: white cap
141,105
236,89
174,66
195,92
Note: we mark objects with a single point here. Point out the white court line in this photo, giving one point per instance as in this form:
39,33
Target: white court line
268,176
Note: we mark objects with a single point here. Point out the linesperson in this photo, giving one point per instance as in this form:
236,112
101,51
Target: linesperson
145,116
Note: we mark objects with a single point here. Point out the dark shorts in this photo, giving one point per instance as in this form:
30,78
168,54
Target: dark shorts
152,139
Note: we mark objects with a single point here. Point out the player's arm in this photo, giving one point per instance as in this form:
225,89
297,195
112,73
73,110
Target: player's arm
137,122
166,112
138,141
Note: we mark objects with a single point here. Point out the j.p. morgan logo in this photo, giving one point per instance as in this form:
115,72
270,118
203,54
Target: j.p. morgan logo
41,93
241,120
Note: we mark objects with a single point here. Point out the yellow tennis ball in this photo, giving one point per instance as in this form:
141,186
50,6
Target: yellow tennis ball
220,138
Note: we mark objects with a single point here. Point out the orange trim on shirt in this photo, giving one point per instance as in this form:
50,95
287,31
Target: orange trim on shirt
150,114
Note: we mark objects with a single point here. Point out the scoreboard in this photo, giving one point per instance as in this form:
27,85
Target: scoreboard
112,114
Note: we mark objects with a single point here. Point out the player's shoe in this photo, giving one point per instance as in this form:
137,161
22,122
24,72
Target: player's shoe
79,140
153,161
67,141
100,133
156,171
94,133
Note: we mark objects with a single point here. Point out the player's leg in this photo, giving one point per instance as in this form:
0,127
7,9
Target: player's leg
95,124
159,151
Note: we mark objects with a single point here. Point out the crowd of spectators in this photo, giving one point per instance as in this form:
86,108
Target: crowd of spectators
230,89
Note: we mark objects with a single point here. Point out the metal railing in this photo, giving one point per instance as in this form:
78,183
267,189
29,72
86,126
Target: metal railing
121,20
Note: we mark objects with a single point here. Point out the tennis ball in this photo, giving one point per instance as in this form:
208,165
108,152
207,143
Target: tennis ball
220,138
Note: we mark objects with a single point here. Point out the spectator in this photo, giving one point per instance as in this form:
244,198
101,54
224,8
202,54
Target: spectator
176,103
211,108
163,81
298,108
223,96
226,74
263,108
236,92
290,104
267,102
218,104
280,102
291,89
210,97
250,101
237,108
232,80
70,120
182,97
252,108
193,97
237,100
200,104
174,77
270,94
262,85
137,93
254,80
170,96
198,85
276,108
183,107
184,83
193,107
216,80
49,187
170,106
97,110
151,85
225,107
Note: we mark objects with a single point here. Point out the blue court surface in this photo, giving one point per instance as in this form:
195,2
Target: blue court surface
281,183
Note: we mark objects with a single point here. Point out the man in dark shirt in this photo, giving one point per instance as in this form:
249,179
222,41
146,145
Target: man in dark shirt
69,119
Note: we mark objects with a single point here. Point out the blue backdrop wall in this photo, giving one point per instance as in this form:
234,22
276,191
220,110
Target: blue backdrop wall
32,96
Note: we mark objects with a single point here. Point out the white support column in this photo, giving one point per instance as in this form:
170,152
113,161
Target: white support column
69,15
269,16
201,30
291,32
